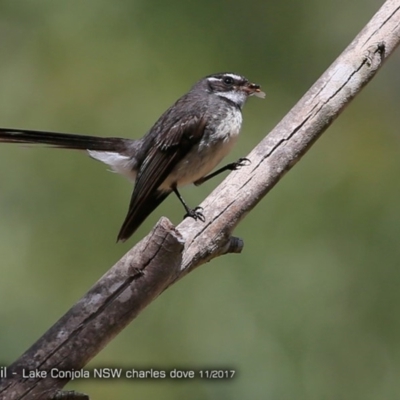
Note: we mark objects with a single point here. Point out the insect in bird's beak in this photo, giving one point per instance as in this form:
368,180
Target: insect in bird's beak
255,90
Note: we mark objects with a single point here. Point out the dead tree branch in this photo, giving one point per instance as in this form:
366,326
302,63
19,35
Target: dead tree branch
167,253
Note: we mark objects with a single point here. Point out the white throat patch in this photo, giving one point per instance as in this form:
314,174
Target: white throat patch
238,97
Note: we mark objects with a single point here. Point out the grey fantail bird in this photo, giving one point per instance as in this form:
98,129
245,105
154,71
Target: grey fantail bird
182,147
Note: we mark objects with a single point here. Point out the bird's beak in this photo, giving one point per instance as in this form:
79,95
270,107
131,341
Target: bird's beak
254,90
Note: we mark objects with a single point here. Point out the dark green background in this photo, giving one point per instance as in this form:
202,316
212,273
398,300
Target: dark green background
310,309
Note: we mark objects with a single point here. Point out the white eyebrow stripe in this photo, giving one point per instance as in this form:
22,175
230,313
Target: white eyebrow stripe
234,76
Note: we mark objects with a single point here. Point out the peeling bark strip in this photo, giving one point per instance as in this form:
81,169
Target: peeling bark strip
167,254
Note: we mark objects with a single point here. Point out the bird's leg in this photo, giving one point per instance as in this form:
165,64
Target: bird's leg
242,162
195,213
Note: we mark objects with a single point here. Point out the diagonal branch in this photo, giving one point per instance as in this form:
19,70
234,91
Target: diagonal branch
167,253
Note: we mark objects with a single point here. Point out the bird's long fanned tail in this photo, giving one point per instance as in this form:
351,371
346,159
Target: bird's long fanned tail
62,140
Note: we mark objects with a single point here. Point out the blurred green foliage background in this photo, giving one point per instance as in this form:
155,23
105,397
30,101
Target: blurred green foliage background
310,309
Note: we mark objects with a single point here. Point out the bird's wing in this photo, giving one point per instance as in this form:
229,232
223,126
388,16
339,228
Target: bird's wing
164,154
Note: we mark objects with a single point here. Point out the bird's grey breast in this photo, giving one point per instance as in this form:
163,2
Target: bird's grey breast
226,122
220,134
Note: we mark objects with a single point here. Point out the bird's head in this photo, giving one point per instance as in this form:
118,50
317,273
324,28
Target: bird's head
236,88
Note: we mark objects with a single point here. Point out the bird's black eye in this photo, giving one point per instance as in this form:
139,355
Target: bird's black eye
228,80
